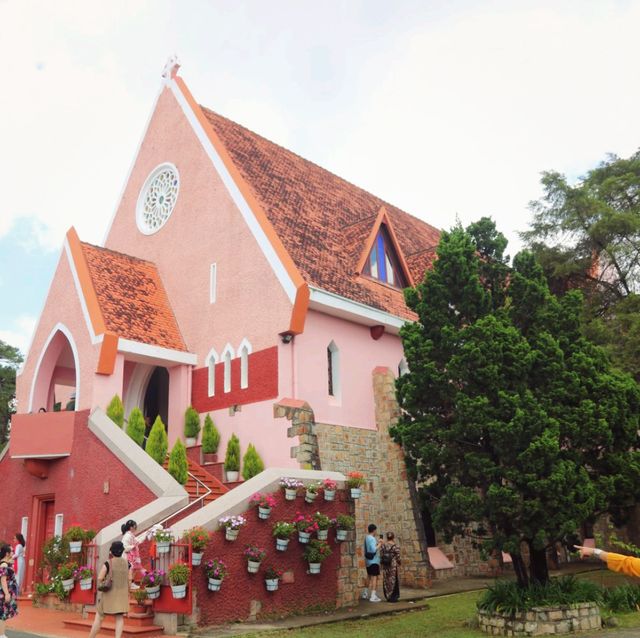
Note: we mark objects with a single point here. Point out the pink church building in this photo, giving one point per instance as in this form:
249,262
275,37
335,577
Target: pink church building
241,279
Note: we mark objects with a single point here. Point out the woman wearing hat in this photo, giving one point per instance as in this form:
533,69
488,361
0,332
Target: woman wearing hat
115,601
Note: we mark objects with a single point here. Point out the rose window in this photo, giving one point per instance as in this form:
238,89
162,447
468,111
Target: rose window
157,198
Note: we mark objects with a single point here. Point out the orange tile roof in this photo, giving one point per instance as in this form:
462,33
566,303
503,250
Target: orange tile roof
132,298
323,220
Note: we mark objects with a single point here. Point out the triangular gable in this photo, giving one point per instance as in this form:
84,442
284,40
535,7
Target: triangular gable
383,220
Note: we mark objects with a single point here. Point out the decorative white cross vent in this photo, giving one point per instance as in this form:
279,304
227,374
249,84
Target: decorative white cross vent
171,68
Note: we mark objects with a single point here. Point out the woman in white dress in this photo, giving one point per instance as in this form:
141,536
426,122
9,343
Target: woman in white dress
18,555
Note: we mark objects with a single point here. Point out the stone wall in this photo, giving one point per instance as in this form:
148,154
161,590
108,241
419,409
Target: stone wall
542,621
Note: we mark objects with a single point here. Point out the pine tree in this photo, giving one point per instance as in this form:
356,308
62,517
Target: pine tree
135,426
210,436
232,457
178,462
251,463
115,411
158,442
191,423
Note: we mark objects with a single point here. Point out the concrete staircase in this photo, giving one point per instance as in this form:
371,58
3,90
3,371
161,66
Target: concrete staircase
202,482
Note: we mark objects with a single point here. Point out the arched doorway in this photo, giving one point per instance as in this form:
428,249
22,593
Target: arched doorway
156,396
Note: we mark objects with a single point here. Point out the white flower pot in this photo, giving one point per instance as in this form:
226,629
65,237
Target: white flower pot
282,544
290,494
309,497
323,534
232,476
253,566
304,537
162,547
153,592
67,584
231,534
314,568
341,534
264,512
75,547
196,558
179,591
190,441
85,583
356,492
214,584
271,583
329,495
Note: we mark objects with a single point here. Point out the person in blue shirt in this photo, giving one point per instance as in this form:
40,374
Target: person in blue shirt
372,562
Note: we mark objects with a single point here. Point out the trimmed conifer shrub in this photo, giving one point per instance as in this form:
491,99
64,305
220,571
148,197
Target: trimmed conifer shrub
178,462
115,411
158,443
251,463
135,426
191,423
210,436
232,457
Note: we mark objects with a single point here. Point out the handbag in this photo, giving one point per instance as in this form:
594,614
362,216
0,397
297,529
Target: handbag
107,583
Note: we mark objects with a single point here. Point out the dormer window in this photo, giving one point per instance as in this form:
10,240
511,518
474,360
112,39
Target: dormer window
383,263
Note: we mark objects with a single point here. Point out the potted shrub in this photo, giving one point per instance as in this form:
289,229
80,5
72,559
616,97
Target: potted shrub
210,441
254,555
265,503
140,596
272,578
65,575
216,571
355,481
329,487
191,426
290,487
312,491
178,463
305,525
324,523
232,459
198,537
163,538
232,525
74,536
84,575
115,411
136,426
252,464
344,524
282,532
157,442
178,579
151,581
316,552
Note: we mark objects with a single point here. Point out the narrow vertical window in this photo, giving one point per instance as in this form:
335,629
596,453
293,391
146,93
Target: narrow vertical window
333,370
57,525
244,351
212,359
227,355
24,527
213,283
330,371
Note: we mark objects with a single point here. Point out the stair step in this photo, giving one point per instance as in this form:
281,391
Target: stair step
108,627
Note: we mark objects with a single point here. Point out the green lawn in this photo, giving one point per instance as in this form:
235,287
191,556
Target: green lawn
441,617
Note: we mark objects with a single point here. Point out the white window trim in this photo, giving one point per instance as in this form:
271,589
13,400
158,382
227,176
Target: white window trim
244,350
211,360
24,526
57,526
213,284
228,354
335,370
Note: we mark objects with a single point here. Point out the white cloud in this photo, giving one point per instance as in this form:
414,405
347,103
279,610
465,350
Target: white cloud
20,333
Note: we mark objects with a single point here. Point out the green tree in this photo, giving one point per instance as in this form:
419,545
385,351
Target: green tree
158,442
191,423
210,436
115,411
178,462
10,359
232,456
512,421
251,463
135,426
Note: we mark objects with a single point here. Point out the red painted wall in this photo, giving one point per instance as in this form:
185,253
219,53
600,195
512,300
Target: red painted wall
76,483
263,382
239,588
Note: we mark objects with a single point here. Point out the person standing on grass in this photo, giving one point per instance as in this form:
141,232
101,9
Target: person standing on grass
628,565
372,563
8,589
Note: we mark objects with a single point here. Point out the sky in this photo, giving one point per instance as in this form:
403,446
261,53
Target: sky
449,109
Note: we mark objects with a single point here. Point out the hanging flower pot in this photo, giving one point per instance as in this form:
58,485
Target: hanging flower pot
264,513
329,495
309,497
75,547
314,568
253,566
323,534
196,558
355,481
153,592
232,525
214,584
254,555
304,537
341,534
85,583
282,544
290,494
290,487
179,591
356,492
231,534
67,584
271,583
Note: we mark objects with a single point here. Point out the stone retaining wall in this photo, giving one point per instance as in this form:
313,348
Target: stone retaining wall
542,621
